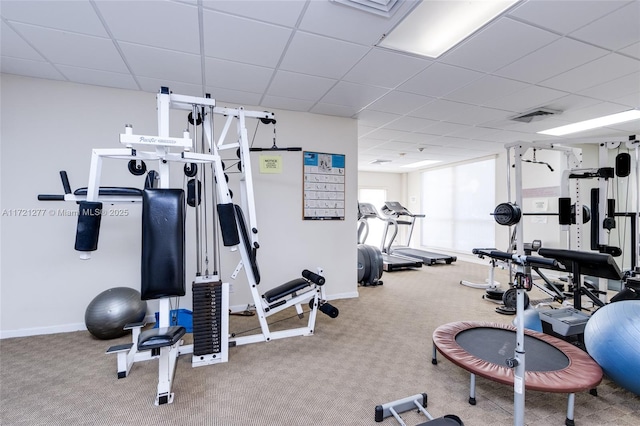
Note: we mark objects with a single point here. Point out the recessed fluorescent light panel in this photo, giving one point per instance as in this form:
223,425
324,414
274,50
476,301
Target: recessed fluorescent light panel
435,26
595,123
420,164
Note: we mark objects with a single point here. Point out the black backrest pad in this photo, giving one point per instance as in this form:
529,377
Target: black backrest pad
163,235
246,242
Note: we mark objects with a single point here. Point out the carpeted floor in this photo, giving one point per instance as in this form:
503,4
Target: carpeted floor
376,351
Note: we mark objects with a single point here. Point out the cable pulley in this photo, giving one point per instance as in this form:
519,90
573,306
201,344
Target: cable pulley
137,168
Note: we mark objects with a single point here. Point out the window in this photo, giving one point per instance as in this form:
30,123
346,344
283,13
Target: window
457,202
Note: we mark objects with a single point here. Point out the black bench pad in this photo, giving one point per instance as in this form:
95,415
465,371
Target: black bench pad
160,337
285,289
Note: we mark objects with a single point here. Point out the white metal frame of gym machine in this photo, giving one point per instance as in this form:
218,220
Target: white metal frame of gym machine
162,144
521,261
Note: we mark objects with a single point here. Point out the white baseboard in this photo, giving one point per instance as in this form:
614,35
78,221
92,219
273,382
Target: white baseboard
24,332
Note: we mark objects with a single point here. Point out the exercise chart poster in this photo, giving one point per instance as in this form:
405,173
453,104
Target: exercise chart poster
323,186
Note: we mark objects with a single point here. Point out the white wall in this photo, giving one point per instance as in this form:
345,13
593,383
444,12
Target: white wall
48,126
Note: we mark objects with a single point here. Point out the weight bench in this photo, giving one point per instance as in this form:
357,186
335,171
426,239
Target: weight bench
418,401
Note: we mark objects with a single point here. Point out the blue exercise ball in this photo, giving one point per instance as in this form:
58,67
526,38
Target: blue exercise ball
612,338
111,310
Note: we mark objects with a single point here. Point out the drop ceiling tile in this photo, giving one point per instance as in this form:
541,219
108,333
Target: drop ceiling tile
162,64
632,50
248,48
474,132
65,48
614,31
592,111
364,130
384,133
365,143
615,88
278,12
486,88
410,124
164,24
570,102
422,139
528,98
233,75
438,109
29,68
74,16
353,95
443,128
335,110
309,53
12,45
564,16
601,70
98,78
475,115
399,102
375,118
439,80
631,100
299,86
551,60
286,103
500,43
384,68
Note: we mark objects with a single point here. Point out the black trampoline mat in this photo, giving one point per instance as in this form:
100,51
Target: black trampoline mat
495,345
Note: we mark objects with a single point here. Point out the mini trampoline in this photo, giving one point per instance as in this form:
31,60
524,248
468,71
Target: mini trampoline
552,365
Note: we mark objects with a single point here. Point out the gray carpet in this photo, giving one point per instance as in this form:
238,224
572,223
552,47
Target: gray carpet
376,351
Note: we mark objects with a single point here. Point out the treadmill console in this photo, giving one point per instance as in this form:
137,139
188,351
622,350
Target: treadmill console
367,210
396,208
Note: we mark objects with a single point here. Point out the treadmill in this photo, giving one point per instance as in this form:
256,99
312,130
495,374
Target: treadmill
402,216
390,262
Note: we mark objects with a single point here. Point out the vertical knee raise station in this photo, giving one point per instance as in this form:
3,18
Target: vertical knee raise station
163,238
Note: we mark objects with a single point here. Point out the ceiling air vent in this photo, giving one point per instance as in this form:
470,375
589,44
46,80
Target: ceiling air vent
384,8
535,115
379,161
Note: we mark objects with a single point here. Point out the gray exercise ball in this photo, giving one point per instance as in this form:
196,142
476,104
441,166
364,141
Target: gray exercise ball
111,310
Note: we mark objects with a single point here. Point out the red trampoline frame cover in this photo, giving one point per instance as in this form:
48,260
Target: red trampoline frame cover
582,373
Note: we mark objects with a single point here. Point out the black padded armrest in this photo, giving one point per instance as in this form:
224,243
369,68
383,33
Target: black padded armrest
113,191
160,337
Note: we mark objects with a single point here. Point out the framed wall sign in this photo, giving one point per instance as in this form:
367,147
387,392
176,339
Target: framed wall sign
323,196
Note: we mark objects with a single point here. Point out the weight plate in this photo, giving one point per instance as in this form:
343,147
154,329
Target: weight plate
507,214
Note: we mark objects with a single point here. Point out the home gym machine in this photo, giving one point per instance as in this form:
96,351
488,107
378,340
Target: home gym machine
163,237
390,262
402,216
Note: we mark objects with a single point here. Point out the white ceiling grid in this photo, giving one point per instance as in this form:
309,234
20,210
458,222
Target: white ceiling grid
579,57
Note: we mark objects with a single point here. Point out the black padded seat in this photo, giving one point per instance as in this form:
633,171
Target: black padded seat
285,289
160,337
113,191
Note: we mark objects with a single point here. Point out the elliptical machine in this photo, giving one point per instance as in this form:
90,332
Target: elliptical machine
370,262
